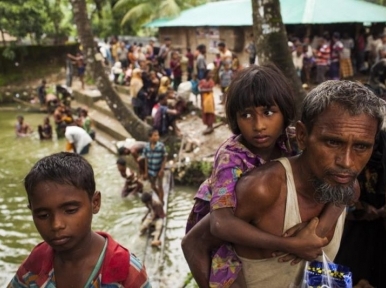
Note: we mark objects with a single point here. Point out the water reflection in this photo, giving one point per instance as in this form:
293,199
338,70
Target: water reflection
120,218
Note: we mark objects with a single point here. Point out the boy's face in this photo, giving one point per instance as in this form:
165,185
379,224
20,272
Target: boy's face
122,170
154,137
62,215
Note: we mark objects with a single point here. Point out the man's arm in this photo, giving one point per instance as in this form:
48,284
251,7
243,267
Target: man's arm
197,246
72,57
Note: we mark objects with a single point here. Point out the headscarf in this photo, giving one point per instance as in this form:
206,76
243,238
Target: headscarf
164,85
136,82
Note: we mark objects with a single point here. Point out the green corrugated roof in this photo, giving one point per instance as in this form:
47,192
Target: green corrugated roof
239,13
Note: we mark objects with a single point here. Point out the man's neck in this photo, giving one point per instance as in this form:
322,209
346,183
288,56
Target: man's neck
302,177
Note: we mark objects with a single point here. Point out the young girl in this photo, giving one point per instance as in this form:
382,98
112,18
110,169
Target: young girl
207,101
260,106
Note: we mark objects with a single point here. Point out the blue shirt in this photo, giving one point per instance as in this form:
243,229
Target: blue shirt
154,157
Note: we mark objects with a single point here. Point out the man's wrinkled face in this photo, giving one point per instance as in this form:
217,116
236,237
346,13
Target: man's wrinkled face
337,149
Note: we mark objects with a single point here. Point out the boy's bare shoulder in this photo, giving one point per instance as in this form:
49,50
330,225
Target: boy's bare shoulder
264,183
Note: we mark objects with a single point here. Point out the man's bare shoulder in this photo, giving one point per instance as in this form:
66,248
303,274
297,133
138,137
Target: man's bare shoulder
263,184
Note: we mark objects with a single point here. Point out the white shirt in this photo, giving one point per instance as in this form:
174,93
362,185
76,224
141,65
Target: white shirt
297,60
78,137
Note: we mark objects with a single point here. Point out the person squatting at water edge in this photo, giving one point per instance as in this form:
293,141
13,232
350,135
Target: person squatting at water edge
132,185
62,199
339,123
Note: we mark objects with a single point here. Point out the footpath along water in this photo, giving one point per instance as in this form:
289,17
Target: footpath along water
120,218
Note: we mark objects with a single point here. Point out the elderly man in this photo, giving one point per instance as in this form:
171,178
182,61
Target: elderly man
339,122
336,134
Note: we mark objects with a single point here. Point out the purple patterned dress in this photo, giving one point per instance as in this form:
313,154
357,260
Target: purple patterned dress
232,159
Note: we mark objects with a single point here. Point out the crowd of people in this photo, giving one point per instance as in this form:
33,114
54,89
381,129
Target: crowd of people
155,77
153,71
77,129
336,56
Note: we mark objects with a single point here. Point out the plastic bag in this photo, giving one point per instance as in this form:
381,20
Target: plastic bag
326,274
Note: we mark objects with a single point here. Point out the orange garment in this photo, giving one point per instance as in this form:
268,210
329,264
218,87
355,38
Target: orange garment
207,102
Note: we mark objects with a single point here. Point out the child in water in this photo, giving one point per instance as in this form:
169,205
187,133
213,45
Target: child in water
259,107
45,130
154,216
62,198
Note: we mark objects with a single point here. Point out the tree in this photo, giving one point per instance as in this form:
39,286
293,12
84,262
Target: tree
137,128
20,18
272,44
107,22
380,2
141,12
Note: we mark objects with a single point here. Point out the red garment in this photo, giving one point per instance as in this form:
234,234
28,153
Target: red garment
176,68
323,55
190,57
361,43
119,267
206,84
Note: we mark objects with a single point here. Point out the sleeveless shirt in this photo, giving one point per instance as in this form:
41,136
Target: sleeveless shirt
271,273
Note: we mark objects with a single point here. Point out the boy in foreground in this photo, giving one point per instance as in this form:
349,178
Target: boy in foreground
62,198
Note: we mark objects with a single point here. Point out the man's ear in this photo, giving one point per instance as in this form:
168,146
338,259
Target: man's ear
96,202
301,135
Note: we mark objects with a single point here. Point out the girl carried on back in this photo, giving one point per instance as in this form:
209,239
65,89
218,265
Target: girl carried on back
259,108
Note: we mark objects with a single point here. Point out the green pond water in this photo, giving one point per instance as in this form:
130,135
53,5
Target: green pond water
119,217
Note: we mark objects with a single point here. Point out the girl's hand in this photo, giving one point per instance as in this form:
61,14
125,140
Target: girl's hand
305,244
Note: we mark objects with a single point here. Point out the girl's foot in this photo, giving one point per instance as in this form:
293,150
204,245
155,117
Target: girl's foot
156,243
207,131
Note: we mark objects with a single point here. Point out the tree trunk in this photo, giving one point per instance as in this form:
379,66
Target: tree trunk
2,37
137,128
272,43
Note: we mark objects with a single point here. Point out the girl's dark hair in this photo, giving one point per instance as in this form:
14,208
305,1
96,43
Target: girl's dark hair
62,168
254,86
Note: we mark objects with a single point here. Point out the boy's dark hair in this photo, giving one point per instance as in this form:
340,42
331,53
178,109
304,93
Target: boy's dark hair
121,150
44,81
161,97
151,132
146,197
121,162
254,86
167,39
206,73
201,47
62,168
221,44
